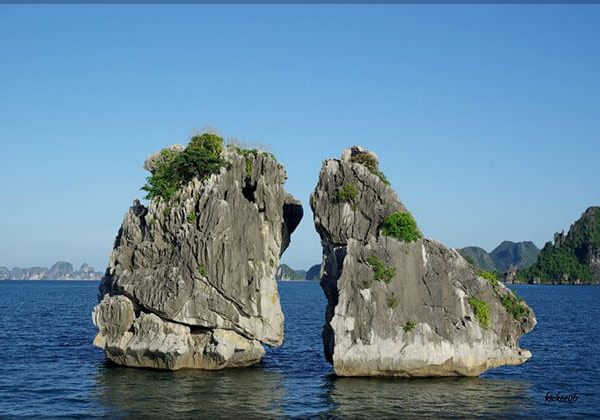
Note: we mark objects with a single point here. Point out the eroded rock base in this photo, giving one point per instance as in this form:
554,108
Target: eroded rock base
133,337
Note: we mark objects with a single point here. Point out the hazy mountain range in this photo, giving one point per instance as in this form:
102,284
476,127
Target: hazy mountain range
61,270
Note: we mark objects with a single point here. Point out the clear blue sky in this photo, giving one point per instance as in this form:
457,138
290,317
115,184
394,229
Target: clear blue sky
486,118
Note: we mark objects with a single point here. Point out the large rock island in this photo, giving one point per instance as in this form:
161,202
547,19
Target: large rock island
573,258
400,304
190,283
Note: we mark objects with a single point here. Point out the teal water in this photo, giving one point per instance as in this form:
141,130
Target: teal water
48,366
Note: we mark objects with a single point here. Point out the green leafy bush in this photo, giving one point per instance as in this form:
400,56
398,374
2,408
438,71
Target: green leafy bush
199,159
401,226
381,271
481,310
191,217
348,193
409,326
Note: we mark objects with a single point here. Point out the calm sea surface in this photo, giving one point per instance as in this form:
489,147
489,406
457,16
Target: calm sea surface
48,366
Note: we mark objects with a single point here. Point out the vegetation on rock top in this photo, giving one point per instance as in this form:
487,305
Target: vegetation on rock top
369,161
171,168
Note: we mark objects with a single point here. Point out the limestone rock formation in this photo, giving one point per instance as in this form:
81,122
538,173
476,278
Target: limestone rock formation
190,283
399,304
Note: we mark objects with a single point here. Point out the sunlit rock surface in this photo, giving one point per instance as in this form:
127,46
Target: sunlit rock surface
420,322
191,282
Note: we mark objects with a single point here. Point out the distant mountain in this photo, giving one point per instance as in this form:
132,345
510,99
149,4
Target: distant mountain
285,272
572,258
507,254
479,257
314,272
61,270
519,254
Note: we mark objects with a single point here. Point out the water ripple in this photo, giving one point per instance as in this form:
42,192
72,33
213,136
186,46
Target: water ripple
48,367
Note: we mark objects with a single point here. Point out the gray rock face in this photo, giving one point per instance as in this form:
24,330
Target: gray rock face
419,323
191,281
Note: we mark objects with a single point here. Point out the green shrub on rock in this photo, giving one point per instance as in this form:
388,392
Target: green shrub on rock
202,271
482,311
514,306
409,326
174,167
348,194
401,226
492,278
381,271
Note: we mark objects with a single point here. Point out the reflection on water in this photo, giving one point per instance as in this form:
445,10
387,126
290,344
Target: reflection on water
251,392
257,392
355,397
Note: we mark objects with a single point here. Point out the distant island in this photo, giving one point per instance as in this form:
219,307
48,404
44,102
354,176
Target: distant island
506,255
573,258
286,273
61,270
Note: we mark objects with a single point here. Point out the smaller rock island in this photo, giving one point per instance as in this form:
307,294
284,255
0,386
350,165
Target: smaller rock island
191,279
399,304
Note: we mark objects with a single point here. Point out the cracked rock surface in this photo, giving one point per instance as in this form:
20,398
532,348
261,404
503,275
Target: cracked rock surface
191,281
418,324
